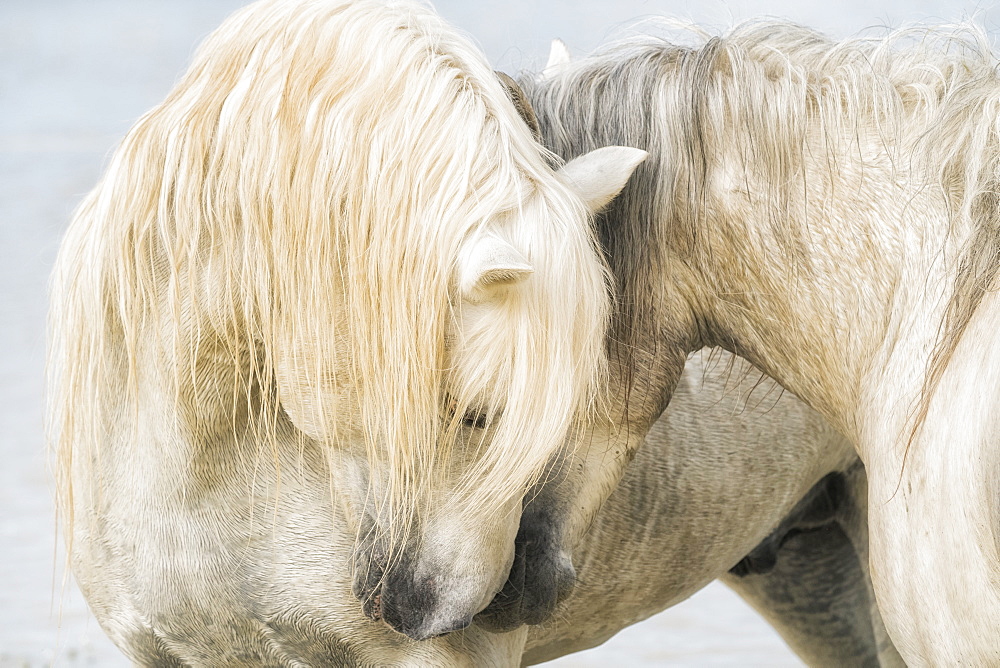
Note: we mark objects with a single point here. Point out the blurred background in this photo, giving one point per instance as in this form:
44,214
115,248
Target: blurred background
75,74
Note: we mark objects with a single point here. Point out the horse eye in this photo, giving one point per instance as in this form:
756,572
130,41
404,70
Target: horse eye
475,420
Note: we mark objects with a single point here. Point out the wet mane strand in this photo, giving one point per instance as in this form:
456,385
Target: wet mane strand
248,235
930,95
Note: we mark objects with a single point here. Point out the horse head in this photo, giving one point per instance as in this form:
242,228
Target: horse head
455,552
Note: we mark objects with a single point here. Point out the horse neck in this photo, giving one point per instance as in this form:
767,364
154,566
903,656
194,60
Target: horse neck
831,300
845,302
815,283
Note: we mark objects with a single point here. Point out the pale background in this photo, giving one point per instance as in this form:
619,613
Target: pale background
75,74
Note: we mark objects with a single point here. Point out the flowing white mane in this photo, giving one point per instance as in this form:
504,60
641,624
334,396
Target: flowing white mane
279,237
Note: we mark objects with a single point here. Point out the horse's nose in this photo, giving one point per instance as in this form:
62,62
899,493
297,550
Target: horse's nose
414,609
406,606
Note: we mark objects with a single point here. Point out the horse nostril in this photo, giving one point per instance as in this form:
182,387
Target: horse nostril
373,605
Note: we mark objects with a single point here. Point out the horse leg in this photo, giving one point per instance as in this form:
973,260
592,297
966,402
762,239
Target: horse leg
811,583
817,509
815,598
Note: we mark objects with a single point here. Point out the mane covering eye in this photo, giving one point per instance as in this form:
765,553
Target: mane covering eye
475,420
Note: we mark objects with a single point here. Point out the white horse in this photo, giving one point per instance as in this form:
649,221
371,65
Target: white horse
332,270
828,211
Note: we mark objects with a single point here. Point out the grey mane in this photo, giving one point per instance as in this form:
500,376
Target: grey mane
606,102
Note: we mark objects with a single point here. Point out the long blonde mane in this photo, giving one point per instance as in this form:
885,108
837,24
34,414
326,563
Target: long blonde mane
294,209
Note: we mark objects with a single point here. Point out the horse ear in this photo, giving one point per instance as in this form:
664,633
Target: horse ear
601,174
558,56
521,103
489,263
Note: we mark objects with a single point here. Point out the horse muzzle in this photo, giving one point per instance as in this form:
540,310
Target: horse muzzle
541,576
413,611
418,607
